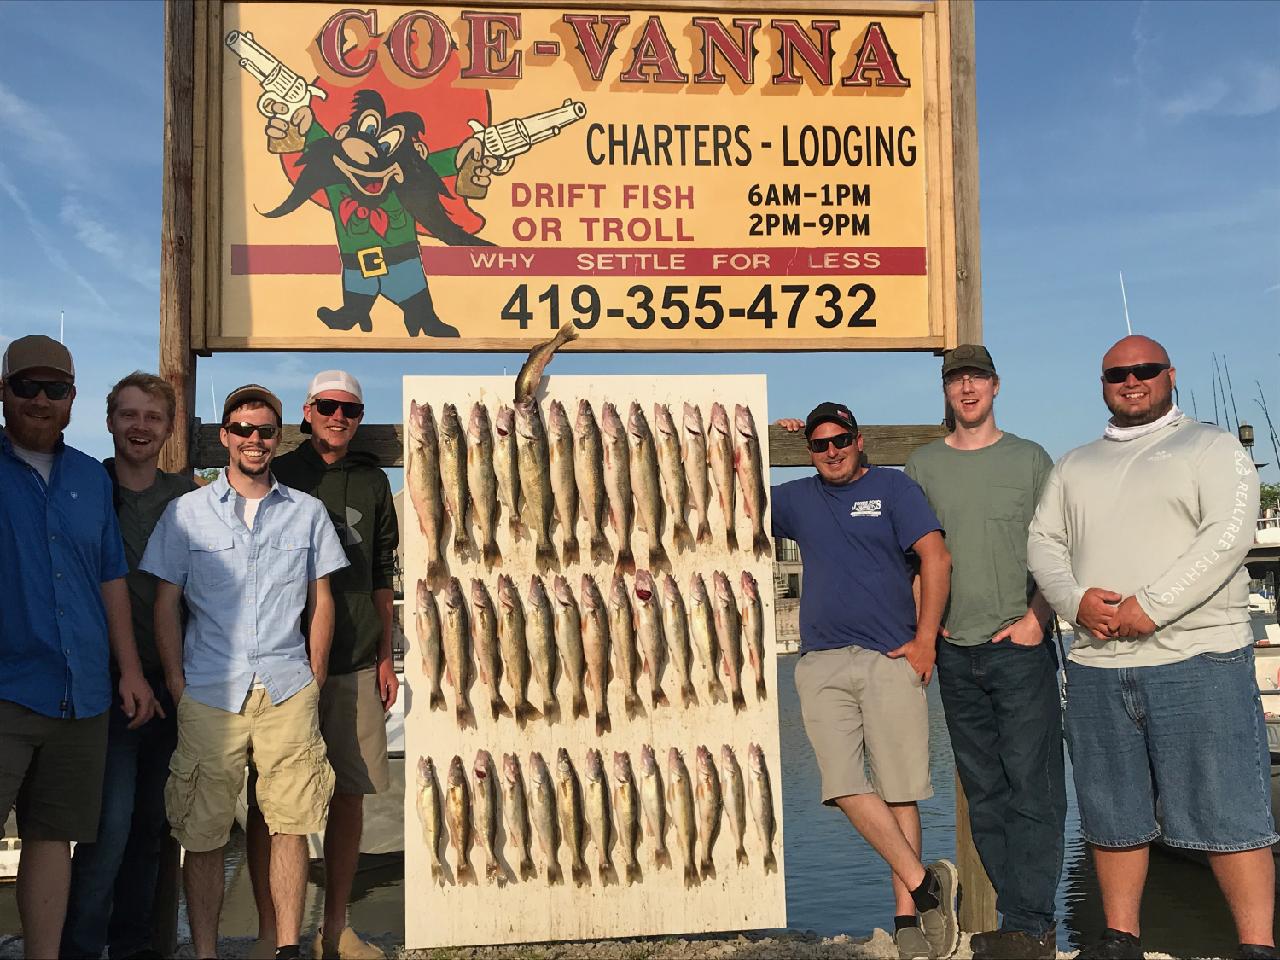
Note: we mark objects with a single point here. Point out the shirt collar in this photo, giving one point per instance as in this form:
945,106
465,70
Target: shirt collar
223,490
1112,432
6,445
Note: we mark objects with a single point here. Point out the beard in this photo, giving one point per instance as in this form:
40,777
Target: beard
41,436
1142,417
251,469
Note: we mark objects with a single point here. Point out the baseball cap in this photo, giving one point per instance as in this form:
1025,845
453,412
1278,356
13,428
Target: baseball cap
829,413
971,355
334,380
37,350
251,391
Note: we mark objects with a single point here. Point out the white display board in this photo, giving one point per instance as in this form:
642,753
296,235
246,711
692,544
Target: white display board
509,908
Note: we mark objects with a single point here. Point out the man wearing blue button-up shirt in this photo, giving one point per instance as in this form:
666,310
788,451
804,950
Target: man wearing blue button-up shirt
65,611
252,558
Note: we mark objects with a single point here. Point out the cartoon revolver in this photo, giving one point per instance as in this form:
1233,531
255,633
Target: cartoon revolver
279,85
507,140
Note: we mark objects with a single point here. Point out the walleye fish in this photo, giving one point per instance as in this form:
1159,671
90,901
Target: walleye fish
516,813
760,792
597,802
457,650
588,469
670,462
617,481
675,627
457,807
595,644
430,815
680,801
427,619
423,480
541,634
563,486
703,629
534,460
720,448
482,481
569,642
694,450
729,632
543,812
453,474
653,803
753,628
515,651
530,375
507,468
622,631
646,485
626,814
710,805
652,639
749,464
486,795
733,791
484,622
569,802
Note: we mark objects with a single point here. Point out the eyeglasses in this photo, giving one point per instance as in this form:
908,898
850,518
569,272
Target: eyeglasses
240,428
327,408
27,389
975,377
1140,371
840,441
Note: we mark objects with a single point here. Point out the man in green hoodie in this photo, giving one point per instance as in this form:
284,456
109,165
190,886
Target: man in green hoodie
362,684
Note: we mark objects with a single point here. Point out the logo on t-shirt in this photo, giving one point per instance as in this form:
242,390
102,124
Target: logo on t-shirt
865,508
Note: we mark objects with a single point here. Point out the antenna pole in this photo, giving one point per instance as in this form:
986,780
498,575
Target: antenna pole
1125,300
62,325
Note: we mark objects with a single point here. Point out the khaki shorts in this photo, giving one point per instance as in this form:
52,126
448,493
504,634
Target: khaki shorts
354,726
860,705
206,773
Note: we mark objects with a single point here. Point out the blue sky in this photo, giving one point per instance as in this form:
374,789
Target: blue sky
1142,137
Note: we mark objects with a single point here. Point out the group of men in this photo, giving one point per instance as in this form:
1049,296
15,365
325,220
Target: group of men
960,564
159,637
247,623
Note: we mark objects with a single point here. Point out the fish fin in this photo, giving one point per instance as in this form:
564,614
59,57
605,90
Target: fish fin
554,874
579,705
498,707
760,544
437,873
581,875
633,705
545,554
716,689
626,561
466,718
527,870
660,698
739,701
760,691
435,572
741,855
461,540
491,553
570,549
601,552
608,875
551,710
466,874
658,559
690,875
493,871
633,873
770,862
688,696
704,532
603,724
708,869
437,700
525,711
662,858
514,526
731,539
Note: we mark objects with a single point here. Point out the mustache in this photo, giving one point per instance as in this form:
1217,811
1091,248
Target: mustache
318,172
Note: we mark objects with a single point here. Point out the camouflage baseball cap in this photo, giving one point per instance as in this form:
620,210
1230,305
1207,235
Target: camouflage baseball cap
972,356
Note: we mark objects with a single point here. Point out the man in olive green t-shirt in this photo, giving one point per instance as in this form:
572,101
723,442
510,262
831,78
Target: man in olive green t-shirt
996,672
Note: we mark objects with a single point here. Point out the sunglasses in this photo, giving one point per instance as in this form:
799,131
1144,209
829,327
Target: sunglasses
27,389
327,408
840,440
1140,371
239,428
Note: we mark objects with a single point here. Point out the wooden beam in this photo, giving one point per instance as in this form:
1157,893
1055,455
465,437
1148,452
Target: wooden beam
964,140
885,445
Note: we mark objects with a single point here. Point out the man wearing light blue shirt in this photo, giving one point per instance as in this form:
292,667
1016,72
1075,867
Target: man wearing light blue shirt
252,558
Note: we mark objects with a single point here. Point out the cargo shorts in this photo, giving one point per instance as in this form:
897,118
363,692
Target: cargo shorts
863,709
207,771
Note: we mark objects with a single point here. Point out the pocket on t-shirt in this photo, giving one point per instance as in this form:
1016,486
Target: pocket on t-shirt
212,559
1007,503
289,557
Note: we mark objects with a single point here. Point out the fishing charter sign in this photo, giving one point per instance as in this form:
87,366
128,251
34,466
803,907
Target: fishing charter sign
431,176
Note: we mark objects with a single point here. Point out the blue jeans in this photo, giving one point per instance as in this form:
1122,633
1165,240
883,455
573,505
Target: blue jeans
1005,720
1177,751
113,881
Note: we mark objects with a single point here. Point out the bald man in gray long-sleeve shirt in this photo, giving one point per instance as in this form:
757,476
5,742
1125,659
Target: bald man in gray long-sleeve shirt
1140,538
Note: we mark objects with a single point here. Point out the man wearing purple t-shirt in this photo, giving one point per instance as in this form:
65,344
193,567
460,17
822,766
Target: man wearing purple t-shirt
866,657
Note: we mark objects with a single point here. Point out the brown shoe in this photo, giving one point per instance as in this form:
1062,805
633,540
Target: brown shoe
348,947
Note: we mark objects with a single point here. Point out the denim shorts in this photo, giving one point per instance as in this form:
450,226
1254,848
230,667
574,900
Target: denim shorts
1177,752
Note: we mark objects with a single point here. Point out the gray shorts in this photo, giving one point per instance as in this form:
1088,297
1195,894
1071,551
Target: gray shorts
862,708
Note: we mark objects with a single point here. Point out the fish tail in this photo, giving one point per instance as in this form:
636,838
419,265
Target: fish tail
608,874
760,691
525,711
600,549
498,707
554,874
550,708
437,699
581,875
704,531
770,863
662,857
739,701
466,717
708,869
632,703
466,874
633,873
435,571
658,559
626,560
491,553
545,553
731,539
460,540
515,526
527,870
579,705
571,550
760,544
688,695
492,871
741,854
603,724
660,698
437,873
683,536
716,689
690,875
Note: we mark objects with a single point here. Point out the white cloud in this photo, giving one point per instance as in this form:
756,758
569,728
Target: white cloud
133,260
1200,100
1251,90
37,137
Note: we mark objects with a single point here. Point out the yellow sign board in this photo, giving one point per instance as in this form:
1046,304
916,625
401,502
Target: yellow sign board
472,177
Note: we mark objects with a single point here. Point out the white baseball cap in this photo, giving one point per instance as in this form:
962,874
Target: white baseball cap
334,380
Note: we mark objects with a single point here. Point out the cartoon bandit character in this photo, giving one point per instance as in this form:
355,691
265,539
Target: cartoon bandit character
381,182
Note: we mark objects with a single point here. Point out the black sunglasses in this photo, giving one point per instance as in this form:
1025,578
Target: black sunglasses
841,440
327,408
1141,371
240,428
27,389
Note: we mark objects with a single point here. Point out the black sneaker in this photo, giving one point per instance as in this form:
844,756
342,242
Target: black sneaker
1257,951
1113,945
292,951
1015,945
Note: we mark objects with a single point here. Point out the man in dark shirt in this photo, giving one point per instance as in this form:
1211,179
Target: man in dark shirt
866,656
113,880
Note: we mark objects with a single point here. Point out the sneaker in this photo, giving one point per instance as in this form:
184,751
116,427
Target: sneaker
348,947
1015,945
1113,945
291,951
1257,951
912,944
941,927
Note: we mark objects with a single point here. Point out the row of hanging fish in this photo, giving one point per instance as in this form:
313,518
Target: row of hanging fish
626,820
626,475
589,640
